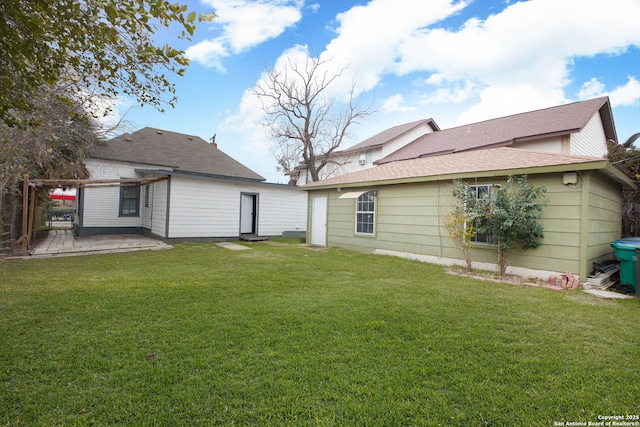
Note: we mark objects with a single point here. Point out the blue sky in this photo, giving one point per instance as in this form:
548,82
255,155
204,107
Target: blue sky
454,61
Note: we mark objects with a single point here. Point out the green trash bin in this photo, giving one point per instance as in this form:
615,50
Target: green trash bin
626,252
637,271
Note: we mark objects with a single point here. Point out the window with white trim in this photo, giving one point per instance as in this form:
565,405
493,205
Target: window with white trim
365,213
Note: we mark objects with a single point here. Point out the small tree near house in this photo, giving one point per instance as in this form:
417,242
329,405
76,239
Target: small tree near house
459,222
508,213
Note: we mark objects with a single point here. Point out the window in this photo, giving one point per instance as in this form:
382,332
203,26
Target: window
365,158
365,212
329,169
129,200
477,192
369,157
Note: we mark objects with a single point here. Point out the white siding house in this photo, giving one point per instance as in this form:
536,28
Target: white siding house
364,154
591,140
581,128
183,189
200,208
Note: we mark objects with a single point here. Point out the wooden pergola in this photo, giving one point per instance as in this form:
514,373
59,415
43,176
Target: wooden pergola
30,193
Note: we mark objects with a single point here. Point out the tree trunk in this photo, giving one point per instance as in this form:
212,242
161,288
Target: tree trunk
315,176
503,259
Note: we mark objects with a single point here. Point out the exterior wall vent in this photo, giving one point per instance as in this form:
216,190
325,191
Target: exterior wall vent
570,178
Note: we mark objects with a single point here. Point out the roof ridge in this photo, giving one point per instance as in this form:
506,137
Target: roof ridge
369,142
161,131
506,130
183,152
603,98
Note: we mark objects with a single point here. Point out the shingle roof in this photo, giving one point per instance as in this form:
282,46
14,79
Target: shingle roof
503,131
184,153
502,160
389,134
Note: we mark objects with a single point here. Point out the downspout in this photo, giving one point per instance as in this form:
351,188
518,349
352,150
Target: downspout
168,208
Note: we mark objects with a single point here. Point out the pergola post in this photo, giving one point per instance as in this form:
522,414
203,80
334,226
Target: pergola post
25,214
33,217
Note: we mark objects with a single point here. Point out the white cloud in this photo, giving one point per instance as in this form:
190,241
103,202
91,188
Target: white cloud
455,92
244,24
591,89
516,41
625,95
246,122
368,36
209,52
297,54
396,103
515,60
503,100
257,22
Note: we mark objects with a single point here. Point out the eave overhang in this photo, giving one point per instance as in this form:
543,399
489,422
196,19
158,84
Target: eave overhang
603,165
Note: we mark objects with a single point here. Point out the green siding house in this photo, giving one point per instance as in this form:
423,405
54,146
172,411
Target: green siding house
395,208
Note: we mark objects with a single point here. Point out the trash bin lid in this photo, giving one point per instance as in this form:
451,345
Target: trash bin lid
629,243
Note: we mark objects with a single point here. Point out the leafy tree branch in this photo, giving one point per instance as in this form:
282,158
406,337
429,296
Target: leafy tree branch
102,45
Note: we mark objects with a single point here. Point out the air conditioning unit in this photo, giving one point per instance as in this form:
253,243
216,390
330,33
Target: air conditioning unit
362,162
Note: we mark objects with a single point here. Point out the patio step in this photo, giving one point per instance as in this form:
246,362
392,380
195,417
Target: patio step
252,238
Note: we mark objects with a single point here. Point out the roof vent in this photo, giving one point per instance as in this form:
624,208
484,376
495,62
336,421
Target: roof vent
128,139
159,132
190,138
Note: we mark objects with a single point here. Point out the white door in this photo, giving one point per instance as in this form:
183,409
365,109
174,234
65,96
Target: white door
247,214
319,221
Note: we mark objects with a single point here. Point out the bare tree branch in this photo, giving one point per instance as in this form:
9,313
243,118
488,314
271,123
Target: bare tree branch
302,118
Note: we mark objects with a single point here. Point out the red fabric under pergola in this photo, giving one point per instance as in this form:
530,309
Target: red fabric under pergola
61,197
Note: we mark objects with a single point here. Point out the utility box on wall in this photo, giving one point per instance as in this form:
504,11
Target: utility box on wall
570,178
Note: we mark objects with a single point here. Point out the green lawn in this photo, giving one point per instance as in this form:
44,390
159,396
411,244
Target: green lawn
288,335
